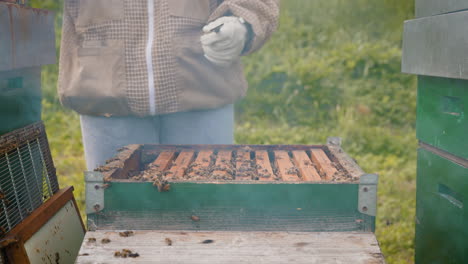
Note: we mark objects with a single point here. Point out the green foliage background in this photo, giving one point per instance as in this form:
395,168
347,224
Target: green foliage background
332,69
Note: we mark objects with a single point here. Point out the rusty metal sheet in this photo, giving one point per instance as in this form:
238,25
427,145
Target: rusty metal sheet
437,46
436,7
27,37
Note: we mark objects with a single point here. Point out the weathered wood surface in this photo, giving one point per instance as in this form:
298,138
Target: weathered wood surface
348,163
243,166
304,164
201,164
122,165
222,164
233,247
164,160
286,169
241,163
181,164
323,163
264,170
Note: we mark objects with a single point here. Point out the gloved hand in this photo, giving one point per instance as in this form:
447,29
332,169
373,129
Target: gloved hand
224,40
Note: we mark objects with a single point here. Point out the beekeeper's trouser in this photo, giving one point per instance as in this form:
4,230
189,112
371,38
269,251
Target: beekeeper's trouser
103,136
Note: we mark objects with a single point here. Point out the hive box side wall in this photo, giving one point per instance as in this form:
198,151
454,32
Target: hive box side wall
27,37
441,210
442,114
233,207
20,98
436,7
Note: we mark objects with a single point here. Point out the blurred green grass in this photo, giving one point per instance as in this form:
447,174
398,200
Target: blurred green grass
332,69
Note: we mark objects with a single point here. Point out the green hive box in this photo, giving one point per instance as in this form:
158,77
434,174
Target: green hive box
441,114
116,200
434,48
27,41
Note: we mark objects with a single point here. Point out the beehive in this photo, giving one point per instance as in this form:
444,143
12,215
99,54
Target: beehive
27,42
237,188
434,48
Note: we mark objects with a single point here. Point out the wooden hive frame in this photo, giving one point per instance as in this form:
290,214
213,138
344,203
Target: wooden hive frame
231,187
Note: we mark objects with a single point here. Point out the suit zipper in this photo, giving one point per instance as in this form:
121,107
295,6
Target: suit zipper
149,58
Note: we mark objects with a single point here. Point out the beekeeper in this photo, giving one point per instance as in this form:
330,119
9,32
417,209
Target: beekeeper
157,71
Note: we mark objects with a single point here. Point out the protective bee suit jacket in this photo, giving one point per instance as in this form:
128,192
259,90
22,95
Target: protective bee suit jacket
144,57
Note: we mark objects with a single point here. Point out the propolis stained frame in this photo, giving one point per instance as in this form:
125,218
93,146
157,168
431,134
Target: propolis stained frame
287,163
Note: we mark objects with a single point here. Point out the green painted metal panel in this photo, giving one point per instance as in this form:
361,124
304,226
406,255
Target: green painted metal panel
442,214
441,114
233,207
20,98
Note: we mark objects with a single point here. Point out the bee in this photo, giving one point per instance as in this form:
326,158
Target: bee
133,255
168,241
91,240
126,251
111,160
2,195
167,173
195,218
105,241
166,187
292,171
208,241
117,254
162,185
126,233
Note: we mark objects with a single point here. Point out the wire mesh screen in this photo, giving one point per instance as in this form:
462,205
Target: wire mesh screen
27,174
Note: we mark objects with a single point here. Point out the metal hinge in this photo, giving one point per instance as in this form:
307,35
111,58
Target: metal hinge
94,192
367,201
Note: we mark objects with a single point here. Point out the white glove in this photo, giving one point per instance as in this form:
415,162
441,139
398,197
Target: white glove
224,40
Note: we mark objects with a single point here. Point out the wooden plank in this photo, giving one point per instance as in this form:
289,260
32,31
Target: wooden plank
223,166
200,168
233,247
124,164
31,224
264,170
162,163
304,164
181,164
244,170
323,163
286,169
351,169
164,160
